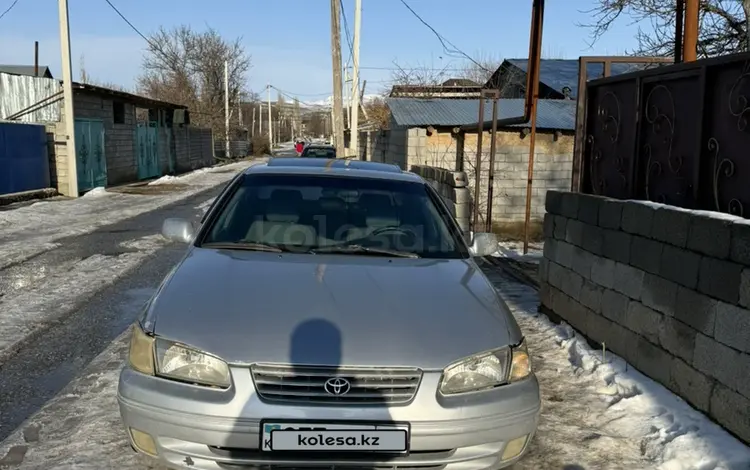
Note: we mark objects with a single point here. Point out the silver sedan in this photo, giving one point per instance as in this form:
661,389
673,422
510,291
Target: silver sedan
328,314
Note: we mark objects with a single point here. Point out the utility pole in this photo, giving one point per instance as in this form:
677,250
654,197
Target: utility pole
70,126
338,104
354,139
226,107
252,129
270,120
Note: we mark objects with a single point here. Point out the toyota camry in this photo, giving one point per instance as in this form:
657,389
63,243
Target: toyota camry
328,313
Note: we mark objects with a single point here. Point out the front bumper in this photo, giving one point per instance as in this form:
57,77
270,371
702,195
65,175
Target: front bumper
222,428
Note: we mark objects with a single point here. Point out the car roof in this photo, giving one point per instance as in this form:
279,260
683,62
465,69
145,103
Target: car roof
335,166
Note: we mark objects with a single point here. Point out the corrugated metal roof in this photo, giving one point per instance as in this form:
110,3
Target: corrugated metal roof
18,92
560,73
413,112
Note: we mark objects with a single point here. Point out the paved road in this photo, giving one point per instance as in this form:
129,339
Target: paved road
40,369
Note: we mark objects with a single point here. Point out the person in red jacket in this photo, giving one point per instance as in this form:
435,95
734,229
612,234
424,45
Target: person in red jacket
299,146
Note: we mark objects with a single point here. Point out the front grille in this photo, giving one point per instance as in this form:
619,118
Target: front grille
307,384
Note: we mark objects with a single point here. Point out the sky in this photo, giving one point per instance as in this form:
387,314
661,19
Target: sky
289,40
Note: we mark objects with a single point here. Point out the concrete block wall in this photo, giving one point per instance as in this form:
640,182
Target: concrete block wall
453,188
665,288
553,163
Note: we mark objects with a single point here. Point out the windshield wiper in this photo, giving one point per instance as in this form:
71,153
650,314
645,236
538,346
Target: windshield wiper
243,246
364,250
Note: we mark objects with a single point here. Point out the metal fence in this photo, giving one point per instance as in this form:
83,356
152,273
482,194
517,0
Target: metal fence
237,148
24,161
677,134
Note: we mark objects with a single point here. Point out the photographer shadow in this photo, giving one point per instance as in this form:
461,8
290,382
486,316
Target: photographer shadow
342,418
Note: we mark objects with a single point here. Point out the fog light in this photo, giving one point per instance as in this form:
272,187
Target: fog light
514,448
143,442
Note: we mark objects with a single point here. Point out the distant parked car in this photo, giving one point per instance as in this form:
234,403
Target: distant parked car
318,151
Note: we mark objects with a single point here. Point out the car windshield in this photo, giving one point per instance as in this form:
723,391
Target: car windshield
320,152
330,214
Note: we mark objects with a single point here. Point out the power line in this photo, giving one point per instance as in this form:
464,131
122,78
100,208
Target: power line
346,31
8,9
132,26
445,42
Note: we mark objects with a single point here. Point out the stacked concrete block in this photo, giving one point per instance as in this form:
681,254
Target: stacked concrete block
665,288
452,187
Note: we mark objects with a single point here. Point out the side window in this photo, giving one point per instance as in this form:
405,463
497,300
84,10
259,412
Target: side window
220,196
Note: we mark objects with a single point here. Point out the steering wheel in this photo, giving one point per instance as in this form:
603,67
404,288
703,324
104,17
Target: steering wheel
392,228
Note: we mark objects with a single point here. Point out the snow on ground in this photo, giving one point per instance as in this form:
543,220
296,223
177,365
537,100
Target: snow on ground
597,414
30,230
514,250
611,415
28,312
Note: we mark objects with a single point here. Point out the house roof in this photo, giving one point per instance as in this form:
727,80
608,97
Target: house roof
415,112
125,96
560,73
44,71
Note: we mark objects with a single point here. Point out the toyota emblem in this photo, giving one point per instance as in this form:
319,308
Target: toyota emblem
337,386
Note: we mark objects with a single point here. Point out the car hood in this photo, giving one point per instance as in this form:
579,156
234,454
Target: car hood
248,307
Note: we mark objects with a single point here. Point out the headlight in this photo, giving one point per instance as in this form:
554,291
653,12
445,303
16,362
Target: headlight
183,363
479,372
520,364
156,356
486,370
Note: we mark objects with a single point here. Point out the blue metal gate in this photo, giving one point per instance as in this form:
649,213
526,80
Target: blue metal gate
91,161
148,151
24,160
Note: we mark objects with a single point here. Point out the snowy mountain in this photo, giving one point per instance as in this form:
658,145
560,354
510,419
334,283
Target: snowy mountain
328,102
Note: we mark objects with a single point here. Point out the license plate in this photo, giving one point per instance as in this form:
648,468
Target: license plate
311,437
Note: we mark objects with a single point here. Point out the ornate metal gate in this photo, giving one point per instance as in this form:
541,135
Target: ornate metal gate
91,162
148,151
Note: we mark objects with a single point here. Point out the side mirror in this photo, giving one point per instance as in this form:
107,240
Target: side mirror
484,244
178,230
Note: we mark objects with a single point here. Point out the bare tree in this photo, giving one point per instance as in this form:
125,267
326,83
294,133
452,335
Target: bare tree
378,113
723,25
419,75
186,67
481,68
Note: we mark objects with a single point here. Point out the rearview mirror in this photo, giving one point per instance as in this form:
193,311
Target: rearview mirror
483,244
178,230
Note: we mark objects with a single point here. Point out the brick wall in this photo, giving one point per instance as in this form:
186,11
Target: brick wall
400,146
665,288
57,150
553,163
452,187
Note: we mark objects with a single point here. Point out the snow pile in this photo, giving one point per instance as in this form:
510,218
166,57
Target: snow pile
96,192
166,179
620,402
514,250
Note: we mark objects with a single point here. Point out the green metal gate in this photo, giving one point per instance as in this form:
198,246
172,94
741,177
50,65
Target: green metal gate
91,162
148,151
